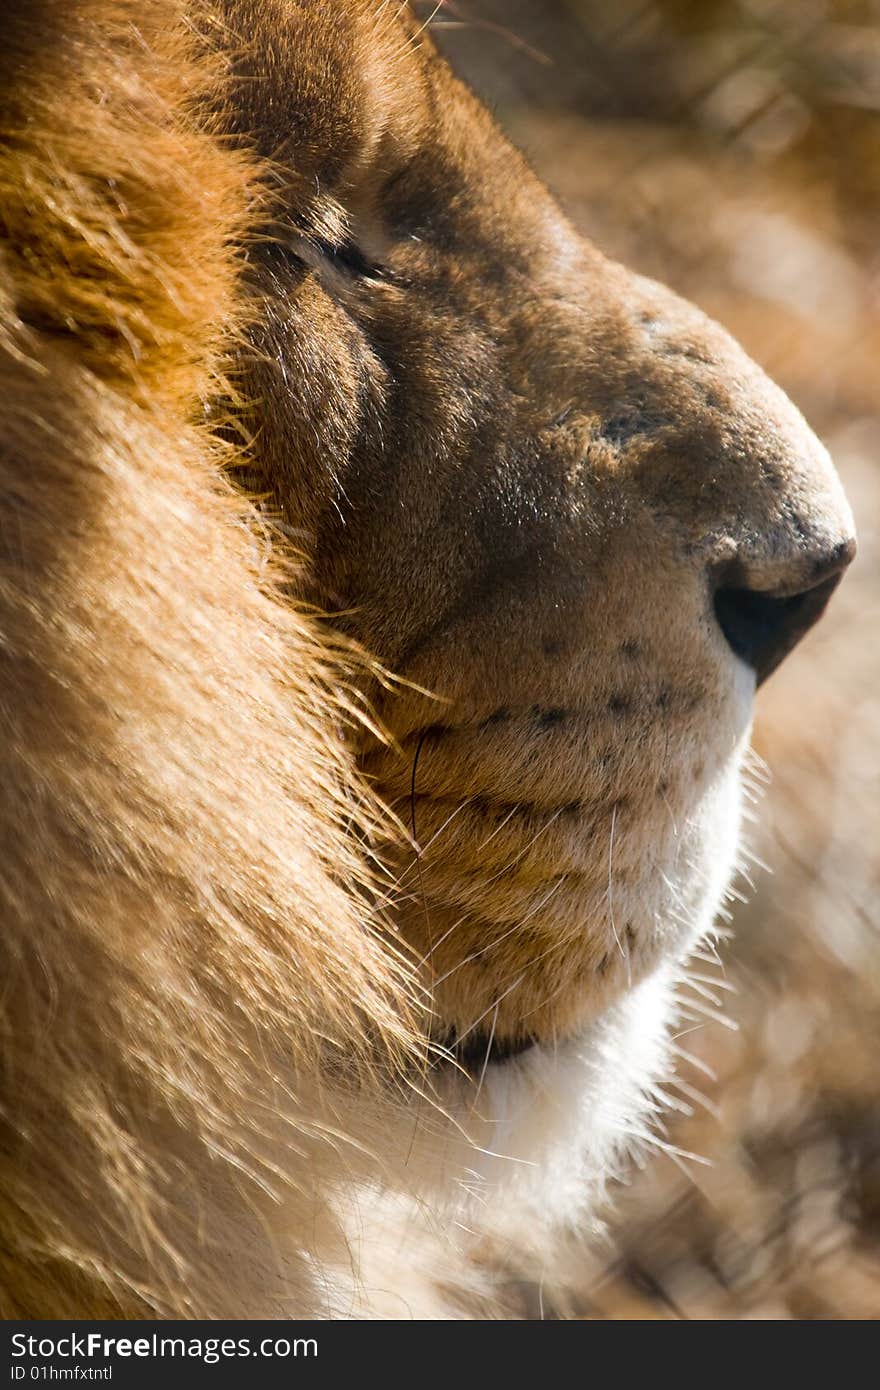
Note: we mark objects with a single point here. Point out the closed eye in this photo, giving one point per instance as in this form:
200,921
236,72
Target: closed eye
349,257
345,258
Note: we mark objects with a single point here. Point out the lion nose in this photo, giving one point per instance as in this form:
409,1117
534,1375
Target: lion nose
762,625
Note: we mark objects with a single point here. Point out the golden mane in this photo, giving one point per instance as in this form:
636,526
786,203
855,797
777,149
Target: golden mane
181,893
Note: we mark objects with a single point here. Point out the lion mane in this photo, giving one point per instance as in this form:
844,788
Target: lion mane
183,899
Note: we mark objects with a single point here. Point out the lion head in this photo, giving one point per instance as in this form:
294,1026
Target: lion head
392,575
555,497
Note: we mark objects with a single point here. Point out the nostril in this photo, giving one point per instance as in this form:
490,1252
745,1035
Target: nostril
762,626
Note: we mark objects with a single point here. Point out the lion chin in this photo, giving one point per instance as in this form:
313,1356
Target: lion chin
386,580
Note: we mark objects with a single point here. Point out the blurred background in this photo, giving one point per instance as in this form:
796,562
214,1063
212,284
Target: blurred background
731,148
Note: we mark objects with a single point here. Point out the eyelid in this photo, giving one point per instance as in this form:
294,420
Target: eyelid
349,256
344,257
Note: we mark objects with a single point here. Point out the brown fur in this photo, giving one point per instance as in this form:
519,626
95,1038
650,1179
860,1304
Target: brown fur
511,467
539,462
174,915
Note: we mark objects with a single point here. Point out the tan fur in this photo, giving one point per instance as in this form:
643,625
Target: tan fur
539,462
279,243
175,914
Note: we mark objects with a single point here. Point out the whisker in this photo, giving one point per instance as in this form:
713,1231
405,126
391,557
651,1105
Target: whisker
418,1109
513,862
423,849
488,1054
500,999
511,813
610,897
439,942
517,926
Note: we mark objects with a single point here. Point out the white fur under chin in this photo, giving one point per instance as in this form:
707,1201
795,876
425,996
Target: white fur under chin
548,1131
525,1157
560,1120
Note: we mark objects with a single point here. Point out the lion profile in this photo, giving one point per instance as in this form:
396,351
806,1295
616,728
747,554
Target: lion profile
292,950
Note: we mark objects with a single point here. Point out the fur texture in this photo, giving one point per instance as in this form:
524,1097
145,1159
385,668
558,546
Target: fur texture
271,282
180,920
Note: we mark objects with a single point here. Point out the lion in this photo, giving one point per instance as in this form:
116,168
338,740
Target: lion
386,580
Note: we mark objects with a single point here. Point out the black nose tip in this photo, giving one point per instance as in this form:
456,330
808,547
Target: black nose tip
762,626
